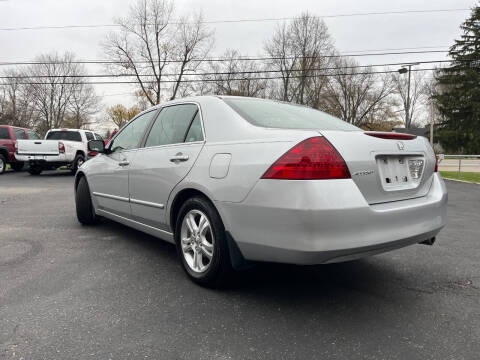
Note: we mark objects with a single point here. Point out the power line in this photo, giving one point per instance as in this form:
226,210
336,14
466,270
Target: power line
214,80
10,63
48,27
217,73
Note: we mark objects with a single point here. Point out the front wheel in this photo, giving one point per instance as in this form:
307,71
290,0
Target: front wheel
83,203
3,164
201,243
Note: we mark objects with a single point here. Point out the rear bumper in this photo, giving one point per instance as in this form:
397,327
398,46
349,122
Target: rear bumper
313,222
60,158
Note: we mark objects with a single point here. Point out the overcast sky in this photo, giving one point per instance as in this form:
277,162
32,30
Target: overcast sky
349,33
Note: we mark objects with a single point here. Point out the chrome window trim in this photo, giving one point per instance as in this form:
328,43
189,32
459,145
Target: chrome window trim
179,143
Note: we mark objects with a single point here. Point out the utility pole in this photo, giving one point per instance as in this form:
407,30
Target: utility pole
404,70
432,120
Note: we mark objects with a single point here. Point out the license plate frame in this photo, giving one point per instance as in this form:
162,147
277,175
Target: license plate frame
395,173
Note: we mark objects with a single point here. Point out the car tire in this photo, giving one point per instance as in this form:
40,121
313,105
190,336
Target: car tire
3,164
83,203
17,166
218,267
35,170
77,162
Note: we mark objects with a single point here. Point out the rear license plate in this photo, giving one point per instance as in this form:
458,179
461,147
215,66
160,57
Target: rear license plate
400,172
39,157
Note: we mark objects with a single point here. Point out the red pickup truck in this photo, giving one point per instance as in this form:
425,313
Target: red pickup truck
8,140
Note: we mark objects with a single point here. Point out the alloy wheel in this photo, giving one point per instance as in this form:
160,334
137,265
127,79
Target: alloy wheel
197,241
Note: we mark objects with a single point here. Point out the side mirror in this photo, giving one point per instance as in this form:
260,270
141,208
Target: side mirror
97,146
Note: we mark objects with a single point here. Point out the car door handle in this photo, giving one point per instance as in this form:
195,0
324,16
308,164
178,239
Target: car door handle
123,163
179,157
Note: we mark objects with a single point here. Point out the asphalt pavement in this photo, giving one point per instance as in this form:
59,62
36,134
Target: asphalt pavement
109,292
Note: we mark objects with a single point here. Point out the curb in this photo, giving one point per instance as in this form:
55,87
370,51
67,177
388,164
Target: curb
462,181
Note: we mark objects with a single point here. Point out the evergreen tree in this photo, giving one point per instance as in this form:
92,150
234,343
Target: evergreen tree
459,91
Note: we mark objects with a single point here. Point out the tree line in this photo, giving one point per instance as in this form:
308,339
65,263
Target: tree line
170,56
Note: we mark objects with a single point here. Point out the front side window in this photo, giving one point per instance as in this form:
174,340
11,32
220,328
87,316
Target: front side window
98,137
132,134
89,136
19,134
64,135
171,125
275,114
4,134
33,135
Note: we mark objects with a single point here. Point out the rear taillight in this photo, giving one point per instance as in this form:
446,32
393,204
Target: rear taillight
436,163
390,135
312,159
61,147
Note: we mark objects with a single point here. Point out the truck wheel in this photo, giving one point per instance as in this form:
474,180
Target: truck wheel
3,164
83,202
17,166
79,160
35,170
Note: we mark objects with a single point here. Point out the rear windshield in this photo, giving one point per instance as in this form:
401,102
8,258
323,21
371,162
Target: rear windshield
274,114
64,135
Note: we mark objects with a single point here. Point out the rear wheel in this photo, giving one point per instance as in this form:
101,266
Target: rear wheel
17,166
3,164
35,170
83,202
201,243
79,160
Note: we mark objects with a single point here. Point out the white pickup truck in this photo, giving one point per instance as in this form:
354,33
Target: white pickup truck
61,147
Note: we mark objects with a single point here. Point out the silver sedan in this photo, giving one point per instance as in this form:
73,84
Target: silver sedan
232,181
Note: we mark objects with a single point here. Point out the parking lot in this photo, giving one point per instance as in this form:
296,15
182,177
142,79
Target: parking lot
69,291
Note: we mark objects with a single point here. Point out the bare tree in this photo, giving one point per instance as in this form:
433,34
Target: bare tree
15,102
234,76
149,43
82,105
356,94
299,51
54,79
417,95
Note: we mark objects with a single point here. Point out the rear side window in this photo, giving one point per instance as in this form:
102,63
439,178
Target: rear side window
19,134
89,136
274,114
4,134
64,135
195,132
33,135
171,125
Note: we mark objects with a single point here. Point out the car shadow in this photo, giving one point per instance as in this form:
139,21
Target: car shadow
376,277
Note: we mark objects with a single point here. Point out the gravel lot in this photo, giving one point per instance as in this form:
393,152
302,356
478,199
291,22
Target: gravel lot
109,292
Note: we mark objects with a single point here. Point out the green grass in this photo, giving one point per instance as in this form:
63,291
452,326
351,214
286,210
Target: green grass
8,167
465,176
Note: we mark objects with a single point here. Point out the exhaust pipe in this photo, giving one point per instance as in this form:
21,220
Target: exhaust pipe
428,242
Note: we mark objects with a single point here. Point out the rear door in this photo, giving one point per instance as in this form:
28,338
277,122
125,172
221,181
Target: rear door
385,169
170,150
108,174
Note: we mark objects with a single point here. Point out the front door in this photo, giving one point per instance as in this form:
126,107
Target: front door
170,150
110,172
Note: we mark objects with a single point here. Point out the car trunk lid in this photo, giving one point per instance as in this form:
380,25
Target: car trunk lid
385,169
